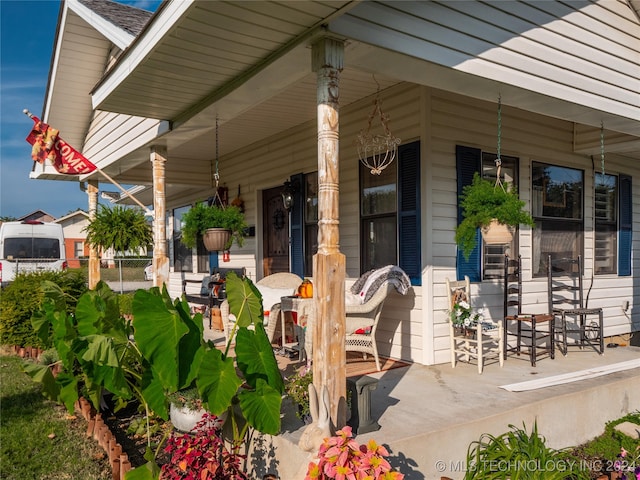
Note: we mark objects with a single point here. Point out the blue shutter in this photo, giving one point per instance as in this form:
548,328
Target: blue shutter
625,233
297,226
468,162
409,211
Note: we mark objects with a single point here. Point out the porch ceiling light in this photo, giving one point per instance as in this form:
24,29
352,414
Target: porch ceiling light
377,151
287,195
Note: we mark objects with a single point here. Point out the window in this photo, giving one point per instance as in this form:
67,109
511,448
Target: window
310,221
378,217
606,223
390,215
78,249
182,256
556,199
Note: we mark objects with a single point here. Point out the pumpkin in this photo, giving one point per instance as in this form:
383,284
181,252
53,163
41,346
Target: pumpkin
305,290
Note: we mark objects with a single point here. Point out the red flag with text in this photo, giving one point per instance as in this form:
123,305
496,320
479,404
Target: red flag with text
47,145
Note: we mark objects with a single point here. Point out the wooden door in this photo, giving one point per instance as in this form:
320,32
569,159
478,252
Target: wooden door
275,227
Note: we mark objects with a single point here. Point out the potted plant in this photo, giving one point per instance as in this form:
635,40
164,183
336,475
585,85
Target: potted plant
226,224
185,408
297,388
484,205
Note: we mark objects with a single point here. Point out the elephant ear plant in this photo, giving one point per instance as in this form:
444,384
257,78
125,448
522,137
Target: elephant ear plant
248,387
160,352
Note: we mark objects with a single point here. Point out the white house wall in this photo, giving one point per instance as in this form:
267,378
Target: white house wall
415,327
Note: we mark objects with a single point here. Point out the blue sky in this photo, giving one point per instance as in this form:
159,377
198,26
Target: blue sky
27,30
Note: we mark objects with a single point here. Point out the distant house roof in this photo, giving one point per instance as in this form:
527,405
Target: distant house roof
39,215
71,215
126,17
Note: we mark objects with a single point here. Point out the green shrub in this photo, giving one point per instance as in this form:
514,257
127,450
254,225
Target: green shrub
125,303
20,299
607,446
517,454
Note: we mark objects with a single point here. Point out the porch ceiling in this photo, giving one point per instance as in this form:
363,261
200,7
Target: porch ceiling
249,65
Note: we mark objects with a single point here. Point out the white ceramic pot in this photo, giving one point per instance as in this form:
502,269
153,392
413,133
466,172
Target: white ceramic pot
183,418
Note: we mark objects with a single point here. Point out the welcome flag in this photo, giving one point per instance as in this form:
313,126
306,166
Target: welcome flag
47,145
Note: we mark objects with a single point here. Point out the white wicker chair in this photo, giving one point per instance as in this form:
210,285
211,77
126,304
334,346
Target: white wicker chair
363,317
282,280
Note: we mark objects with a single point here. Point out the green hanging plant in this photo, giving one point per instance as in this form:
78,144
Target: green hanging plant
201,217
120,228
483,201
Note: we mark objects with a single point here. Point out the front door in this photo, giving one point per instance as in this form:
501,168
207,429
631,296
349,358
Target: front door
275,227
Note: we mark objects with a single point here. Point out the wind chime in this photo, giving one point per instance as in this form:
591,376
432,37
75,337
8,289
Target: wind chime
377,151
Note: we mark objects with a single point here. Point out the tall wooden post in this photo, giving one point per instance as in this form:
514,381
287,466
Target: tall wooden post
160,258
94,258
329,356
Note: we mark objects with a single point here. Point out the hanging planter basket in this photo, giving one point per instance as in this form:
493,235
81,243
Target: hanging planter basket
216,239
497,233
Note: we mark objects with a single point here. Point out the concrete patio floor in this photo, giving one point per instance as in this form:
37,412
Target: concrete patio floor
429,415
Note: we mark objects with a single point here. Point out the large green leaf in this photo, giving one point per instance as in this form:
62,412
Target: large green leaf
157,331
147,471
68,390
245,301
98,311
190,347
217,381
100,350
261,408
154,394
54,294
42,374
256,359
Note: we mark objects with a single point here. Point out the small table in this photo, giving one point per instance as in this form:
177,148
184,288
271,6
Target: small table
302,312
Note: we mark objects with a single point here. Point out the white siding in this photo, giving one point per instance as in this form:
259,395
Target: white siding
587,53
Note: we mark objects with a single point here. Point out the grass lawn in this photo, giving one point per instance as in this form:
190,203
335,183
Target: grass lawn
39,439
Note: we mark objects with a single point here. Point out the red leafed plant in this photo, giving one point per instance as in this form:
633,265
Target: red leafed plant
202,455
342,458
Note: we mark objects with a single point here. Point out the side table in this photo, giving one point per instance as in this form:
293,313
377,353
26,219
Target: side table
303,312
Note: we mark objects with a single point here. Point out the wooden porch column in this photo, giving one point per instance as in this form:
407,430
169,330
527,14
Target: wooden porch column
160,258
329,356
94,258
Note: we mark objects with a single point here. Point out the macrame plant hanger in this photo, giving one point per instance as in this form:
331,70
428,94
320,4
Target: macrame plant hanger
215,199
498,159
602,148
377,152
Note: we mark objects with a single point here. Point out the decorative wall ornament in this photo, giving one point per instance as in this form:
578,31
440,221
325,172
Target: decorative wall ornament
377,151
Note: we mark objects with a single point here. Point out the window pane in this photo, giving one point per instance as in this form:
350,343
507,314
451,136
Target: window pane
311,198
378,191
182,256
557,209
310,247
379,242
203,257
556,192
606,221
560,239
78,249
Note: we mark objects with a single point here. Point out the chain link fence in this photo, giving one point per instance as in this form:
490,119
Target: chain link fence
121,274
